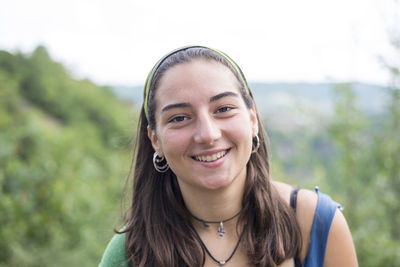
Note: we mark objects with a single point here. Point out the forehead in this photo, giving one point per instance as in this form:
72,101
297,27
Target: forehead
196,76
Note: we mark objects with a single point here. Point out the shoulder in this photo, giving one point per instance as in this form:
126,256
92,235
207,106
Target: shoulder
340,249
327,228
114,255
306,199
306,205
283,190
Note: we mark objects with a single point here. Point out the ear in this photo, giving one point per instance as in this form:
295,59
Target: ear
254,121
154,141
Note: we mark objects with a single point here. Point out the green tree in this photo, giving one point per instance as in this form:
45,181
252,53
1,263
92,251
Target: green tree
64,156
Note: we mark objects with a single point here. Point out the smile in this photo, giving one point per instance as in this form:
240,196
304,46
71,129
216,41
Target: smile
210,158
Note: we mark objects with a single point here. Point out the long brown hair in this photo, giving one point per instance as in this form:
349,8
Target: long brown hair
157,224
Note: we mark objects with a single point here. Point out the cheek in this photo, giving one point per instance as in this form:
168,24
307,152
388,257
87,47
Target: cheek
174,144
245,140
241,133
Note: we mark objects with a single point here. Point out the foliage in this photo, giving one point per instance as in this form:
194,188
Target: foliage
353,156
370,176
64,147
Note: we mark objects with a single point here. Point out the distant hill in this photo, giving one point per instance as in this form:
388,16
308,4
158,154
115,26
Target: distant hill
318,95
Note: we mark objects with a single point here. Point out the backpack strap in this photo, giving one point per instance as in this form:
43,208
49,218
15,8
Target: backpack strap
293,204
324,213
293,198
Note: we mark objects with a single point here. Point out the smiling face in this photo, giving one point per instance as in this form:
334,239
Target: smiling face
203,126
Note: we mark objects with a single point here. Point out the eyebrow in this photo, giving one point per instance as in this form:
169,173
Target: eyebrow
177,105
186,105
221,95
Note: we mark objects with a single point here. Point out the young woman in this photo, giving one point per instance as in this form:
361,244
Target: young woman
202,192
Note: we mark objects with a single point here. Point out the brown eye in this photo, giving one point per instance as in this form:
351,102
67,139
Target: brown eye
224,109
178,119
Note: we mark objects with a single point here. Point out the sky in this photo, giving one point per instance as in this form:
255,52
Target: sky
117,42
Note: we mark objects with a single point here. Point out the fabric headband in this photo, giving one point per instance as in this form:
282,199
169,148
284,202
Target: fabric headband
146,92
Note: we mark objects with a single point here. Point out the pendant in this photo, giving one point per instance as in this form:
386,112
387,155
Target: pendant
221,231
222,263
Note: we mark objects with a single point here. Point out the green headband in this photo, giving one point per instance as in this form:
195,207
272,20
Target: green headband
146,92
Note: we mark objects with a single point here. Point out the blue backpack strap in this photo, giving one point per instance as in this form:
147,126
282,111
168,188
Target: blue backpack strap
323,218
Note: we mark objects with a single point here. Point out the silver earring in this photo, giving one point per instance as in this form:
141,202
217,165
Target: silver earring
160,163
257,144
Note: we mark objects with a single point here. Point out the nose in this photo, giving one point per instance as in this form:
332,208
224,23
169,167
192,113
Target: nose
207,130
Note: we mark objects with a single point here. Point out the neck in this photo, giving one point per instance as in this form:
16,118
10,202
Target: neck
213,205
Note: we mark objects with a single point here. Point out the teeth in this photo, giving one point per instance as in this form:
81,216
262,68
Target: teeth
213,157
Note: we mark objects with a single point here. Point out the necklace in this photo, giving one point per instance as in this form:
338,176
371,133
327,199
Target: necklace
223,262
221,229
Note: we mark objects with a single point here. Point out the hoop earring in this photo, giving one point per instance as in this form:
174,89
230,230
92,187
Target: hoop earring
160,163
257,144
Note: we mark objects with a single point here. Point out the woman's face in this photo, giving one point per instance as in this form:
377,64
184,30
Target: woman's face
203,127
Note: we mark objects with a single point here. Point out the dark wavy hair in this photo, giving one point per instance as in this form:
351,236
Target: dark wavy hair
157,224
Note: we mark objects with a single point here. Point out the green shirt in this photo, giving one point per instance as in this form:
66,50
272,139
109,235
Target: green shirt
114,255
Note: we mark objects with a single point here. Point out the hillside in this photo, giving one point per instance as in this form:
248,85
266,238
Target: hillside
64,156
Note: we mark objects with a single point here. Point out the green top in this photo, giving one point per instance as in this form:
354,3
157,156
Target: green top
114,255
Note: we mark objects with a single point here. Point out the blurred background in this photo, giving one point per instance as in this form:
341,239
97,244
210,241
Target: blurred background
325,75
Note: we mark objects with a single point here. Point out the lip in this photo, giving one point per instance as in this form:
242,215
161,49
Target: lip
210,152
214,163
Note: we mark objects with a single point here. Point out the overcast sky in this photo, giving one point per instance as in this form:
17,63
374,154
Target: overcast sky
117,42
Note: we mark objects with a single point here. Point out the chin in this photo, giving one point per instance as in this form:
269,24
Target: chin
216,184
